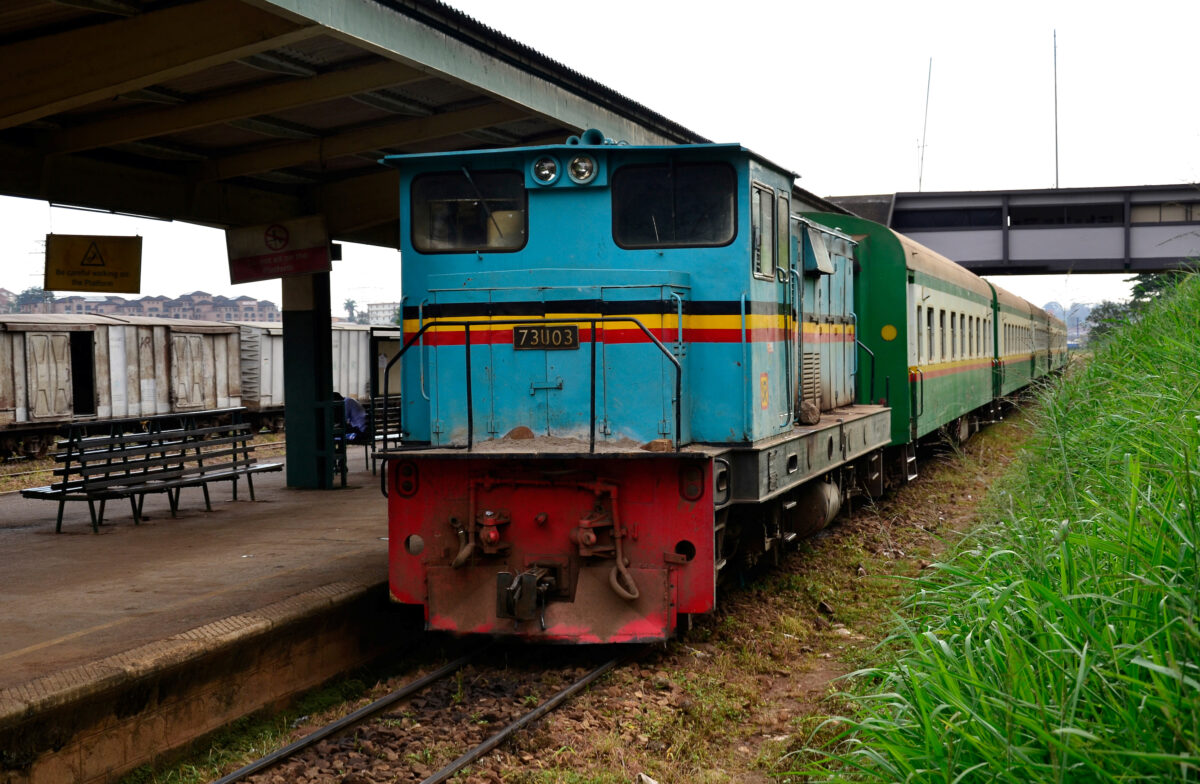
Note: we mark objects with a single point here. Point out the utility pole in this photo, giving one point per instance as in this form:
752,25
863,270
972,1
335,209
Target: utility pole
1056,109
924,128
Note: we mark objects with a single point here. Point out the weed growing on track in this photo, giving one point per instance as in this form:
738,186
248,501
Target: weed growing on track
1061,643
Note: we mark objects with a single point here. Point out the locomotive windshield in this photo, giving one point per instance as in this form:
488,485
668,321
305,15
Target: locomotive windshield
469,211
674,205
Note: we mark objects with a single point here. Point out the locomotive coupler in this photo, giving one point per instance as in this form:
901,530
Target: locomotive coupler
522,597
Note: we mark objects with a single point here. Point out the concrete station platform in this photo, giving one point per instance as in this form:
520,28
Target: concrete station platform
118,647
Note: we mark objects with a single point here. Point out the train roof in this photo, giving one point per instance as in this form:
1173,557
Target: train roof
1006,297
919,257
26,322
812,198
276,327
395,160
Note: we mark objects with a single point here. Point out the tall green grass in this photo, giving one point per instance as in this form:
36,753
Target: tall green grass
1061,644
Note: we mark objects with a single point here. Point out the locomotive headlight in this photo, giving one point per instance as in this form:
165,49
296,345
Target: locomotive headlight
582,169
545,170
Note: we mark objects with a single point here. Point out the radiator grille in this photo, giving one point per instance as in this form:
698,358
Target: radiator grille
810,377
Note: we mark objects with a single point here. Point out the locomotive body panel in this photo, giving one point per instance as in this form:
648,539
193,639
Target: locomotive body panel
729,332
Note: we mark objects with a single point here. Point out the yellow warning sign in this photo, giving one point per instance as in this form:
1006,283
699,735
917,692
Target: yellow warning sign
78,262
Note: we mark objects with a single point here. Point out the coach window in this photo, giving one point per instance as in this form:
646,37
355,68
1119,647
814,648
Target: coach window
920,334
929,334
467,210
962,334
763,232
942,334
674,205
953,335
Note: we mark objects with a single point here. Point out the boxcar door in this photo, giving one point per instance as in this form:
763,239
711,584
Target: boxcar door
48,374
190,366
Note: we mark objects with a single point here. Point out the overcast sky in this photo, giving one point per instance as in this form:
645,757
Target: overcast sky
833,91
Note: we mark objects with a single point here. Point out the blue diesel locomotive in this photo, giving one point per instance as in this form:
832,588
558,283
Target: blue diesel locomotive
627,371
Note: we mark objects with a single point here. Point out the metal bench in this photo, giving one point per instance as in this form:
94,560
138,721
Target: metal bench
385,425
163,454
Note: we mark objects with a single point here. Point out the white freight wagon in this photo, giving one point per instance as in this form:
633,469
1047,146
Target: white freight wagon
356,351
59,368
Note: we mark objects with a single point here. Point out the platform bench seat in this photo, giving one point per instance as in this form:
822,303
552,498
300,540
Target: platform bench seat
132,465
385,425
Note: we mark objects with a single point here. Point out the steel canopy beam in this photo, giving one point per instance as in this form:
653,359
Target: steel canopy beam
104,185
360,203
374,137
245,103
56,73
394,34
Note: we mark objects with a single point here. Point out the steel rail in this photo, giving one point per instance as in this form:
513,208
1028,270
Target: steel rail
348,721
537,713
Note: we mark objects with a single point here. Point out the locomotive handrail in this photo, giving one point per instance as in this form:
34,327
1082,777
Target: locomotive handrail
420,330
854,326
592,320
871,354
678,320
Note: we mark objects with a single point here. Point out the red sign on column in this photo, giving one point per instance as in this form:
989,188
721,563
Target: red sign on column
292,247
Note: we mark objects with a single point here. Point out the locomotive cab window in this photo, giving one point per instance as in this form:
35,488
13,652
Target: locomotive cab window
762,220
783,236
467,210
674,205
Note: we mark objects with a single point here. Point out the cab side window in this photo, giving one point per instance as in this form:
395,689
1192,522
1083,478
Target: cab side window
762,212
783,237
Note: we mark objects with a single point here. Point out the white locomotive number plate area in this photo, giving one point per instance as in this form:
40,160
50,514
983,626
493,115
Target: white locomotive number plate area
542,337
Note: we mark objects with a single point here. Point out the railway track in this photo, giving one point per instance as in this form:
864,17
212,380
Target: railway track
459,700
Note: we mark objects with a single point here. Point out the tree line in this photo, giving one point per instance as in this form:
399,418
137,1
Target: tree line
1147,287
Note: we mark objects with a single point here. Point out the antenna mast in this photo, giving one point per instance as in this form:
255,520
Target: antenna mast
1056,109
924,128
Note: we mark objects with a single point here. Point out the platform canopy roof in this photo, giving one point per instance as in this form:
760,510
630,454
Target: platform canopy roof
240,112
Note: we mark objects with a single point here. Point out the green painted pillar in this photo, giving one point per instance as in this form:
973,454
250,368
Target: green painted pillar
308,380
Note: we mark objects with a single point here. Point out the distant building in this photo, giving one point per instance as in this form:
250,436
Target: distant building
382,312
198,305
8,301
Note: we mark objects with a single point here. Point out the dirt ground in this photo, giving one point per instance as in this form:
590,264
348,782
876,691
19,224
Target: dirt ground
741,693
729,701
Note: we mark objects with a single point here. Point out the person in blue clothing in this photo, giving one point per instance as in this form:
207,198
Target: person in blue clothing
356,418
